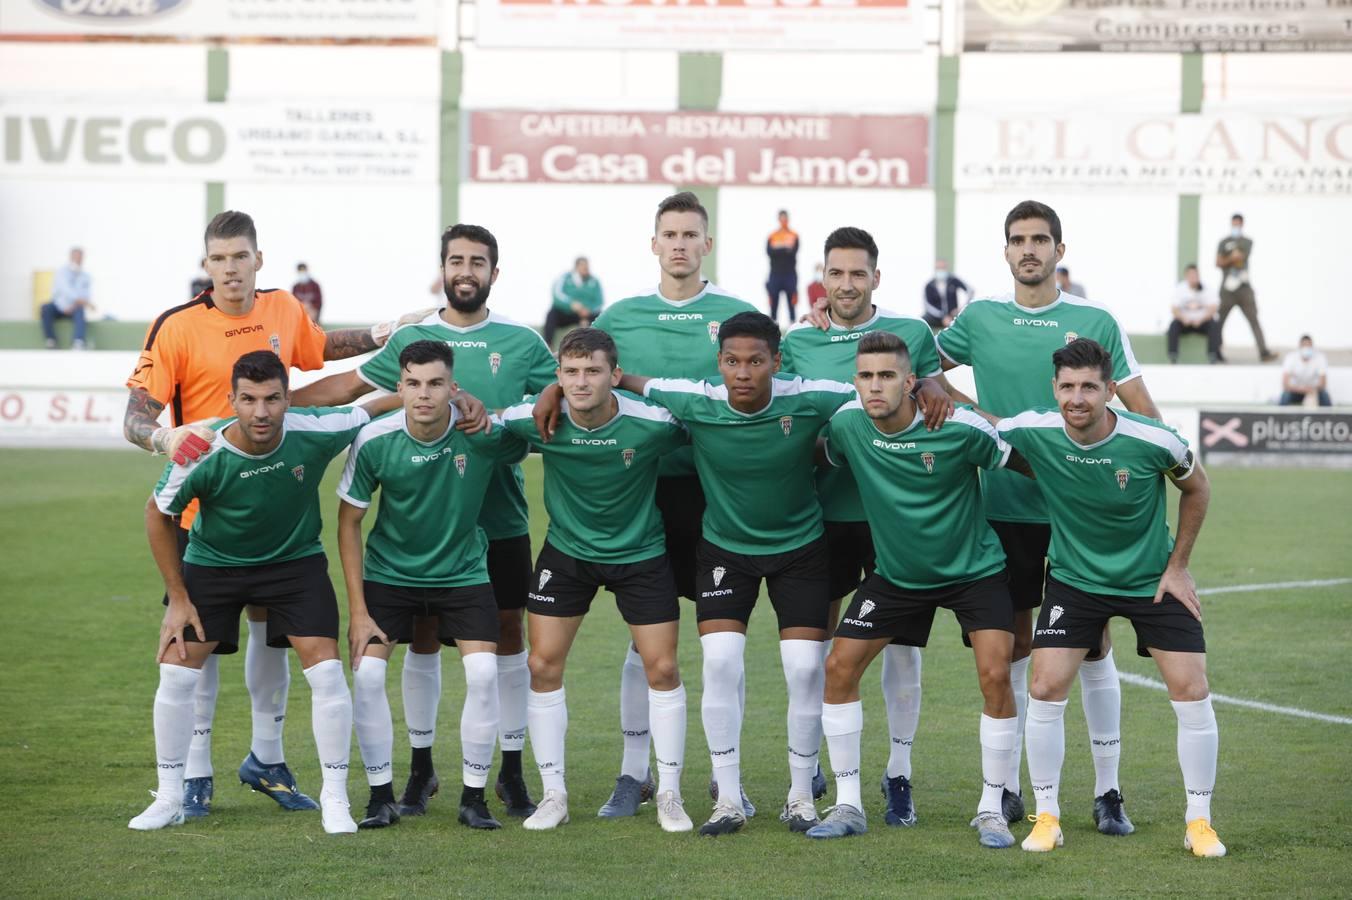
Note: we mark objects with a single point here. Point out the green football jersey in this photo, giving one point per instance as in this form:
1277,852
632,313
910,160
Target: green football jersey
756,468
1009,348
499,361
260,509
600,483
922,494
665,338
1107,500
813,353
426,532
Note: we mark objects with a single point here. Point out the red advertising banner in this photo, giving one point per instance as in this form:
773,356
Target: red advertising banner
699,148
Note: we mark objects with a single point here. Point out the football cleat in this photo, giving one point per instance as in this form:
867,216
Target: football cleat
1046,834
197,796
841,821
1200,838
512,791
380,813
671,813
992,830
276,781
1011,804
166,811
818,783
900,808
800,814
624,800
648,789
748,808
336,813
727,818
1109,816
551,813
420,789
475,814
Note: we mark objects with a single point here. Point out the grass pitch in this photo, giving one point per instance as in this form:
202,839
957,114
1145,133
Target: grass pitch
81,603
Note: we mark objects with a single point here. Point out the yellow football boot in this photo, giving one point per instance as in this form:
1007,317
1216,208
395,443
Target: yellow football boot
1046,834
1201,839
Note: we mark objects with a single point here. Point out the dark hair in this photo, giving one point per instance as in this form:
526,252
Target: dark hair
1062,270
585,342
580,259
1189,267
752,325
476,233
1304,338
884,342
258,366
231,224
1239,216
1082,353
300,266
1031,209
848,238
419,352
682,202
782,212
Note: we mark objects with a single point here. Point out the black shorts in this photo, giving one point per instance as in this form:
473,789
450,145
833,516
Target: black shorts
645,591
1075,618
181,544
680,500
466,613
799,589
509,571
849,548
1025,546
880,609
297,594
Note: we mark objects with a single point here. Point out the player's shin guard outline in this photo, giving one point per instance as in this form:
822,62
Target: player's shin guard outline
331,719
204,712
479,717
267,675
372,720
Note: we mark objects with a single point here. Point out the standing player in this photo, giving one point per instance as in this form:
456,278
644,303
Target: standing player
185,365
499,361
1103,474
1008,341
921,490
754,437
782,249
258,543
600,477
426,556
672,332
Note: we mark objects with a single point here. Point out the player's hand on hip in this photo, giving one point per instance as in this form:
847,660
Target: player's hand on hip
1178,583
360,629
546,412
935,404
473,416
178,617
186,443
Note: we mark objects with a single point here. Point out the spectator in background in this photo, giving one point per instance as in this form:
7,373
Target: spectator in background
307,291
203,281
1305,371
782,248
816,290
1195,313
70,299
1067,286
1232,258
577,300
941,296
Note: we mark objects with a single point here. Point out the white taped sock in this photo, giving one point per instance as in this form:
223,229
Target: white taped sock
634,717
1018,683
1045,736
479,718
667,711
204,711
513,685
331,719
267,675
998,737
805,678
547,712
372,719
421,686
842,723
901,695
721,707
173,726
1101,696
1198,746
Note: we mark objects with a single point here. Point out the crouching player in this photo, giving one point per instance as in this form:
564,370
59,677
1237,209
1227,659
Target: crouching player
255,542
922,497
1103,474
425,556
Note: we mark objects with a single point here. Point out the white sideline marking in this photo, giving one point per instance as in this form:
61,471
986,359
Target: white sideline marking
1274,586
1142,681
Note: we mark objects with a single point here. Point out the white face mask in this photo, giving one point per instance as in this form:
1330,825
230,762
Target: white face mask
1236,231
941,275
303,277
1306,352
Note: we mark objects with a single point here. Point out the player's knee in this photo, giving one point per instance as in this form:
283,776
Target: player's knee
721,668
1044,687
663,673
367,683
801,675
840,671
1190,690
1023,645
994,678
546,673
481,671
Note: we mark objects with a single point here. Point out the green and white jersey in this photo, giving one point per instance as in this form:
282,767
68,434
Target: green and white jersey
813,353
671,339
756,468
922,494
1009,348
497,360
260,509
1107,500
426,532
600,483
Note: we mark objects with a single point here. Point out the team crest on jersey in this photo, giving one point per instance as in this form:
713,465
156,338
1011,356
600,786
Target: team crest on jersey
1123,476
719,572
299,473
1071,336
545,575
275,342
460,462
713,332
494,362
628,457
928,459
865,608
1055,614
786,424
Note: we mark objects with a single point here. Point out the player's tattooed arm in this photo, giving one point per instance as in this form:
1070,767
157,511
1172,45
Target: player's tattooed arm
348,342
1017,463
142,418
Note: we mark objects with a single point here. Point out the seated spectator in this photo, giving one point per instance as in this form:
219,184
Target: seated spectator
1305,371
1195,310
942,296
577,300
70,299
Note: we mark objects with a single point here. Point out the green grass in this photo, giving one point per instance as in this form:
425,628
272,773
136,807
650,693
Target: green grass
81,603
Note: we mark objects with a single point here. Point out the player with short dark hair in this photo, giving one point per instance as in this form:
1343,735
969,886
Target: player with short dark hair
1117,560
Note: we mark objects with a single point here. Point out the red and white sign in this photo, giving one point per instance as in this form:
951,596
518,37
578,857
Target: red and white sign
55,418
698,148
702,25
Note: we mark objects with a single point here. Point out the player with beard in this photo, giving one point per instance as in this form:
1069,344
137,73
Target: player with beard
498,361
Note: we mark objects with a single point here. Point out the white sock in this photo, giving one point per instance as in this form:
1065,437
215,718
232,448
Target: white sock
998,737
634,716
842,723
1198,744
204,710
513,685
331,718
479,718
901,695
371,717
421,685
267,675
1101,695
173,726
721,707
805,678
668,725
1018,683
547,714
1045,735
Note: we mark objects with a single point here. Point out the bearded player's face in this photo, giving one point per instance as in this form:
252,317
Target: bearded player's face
468,275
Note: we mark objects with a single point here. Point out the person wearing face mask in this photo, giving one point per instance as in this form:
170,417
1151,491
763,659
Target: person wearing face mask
941,296
1232,258
817,289
307,291
1305,371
